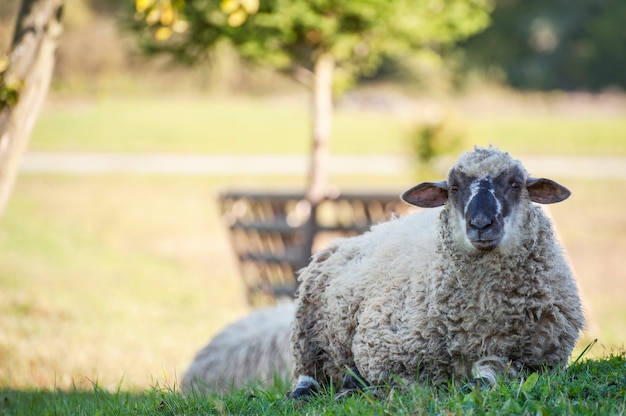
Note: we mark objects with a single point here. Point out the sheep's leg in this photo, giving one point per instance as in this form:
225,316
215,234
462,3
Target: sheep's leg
352,381
484,375
485,371
305,387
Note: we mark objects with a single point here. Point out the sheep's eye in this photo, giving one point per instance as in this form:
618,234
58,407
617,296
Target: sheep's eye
453,188
516,185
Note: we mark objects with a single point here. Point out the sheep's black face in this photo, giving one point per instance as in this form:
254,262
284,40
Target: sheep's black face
485,188
485,204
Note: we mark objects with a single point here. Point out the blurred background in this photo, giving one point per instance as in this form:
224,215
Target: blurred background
116,263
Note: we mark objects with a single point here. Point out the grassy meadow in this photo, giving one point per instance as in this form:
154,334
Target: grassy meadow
280,125
109,284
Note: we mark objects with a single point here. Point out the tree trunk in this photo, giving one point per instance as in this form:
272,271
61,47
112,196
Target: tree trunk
31,62
322,118
322,121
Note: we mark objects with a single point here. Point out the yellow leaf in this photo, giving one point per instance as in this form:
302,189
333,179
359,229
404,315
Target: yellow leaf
180,26
237,18
250,6
167,15
153,16
163,33
229,6
143,5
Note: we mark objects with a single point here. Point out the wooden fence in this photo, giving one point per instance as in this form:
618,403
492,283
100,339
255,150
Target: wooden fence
274,234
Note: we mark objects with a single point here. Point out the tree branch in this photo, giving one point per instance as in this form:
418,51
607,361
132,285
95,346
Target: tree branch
28,77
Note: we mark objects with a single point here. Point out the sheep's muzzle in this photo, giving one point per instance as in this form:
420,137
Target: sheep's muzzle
484,224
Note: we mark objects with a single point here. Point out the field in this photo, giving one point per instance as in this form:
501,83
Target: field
280,125
111,283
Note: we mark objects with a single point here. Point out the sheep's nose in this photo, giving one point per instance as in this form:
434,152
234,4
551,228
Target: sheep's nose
480,222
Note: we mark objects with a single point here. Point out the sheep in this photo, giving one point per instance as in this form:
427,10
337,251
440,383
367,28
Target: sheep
471,289
253,349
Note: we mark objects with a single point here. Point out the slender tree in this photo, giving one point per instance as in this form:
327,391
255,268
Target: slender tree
24,81
331,41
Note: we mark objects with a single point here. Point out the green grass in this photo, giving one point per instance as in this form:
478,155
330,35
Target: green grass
552,135
590,387
265,125
120,271
172,125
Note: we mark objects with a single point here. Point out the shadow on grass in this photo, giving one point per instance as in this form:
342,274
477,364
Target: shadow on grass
587,387
76,402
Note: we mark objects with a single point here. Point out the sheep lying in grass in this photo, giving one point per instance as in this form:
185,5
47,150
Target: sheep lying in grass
476,288
253,349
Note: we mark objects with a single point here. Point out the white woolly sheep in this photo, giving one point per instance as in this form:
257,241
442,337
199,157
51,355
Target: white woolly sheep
474,289
253,349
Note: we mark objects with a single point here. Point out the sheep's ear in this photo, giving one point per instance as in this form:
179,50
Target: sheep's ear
427,194
545,191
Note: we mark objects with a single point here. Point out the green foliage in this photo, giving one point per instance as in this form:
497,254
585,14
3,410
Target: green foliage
563,44
429,140
9,89
288,33
588,388
8,94
434,139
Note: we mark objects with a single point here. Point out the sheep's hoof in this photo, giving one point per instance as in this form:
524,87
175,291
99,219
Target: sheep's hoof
352,382
483,383
305,387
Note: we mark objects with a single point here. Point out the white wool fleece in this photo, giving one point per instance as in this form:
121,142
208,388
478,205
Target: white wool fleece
411,299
